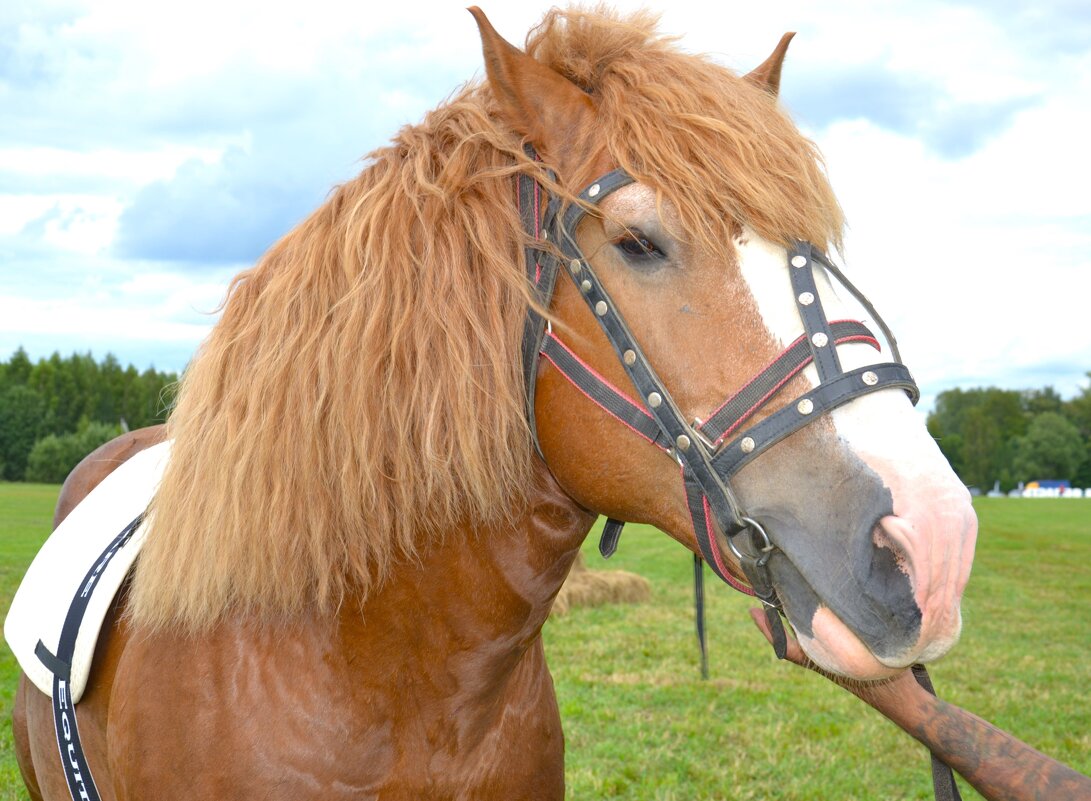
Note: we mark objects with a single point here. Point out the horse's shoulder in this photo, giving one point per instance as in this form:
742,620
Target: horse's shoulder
98,464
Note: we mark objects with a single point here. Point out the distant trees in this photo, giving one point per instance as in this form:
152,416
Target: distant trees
991,434
55,411
21,413
1051,448
53,457
1078,412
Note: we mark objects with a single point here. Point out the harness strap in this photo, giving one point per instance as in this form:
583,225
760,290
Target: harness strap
600,391
728,417
741,406
707,462
81,785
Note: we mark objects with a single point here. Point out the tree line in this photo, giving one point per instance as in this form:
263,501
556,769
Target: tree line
56,411
1014,436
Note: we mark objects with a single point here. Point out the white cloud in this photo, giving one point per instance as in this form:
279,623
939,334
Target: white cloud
969,210
976,259
98,312
118,166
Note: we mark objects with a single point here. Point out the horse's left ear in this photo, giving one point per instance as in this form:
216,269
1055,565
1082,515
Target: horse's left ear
539,103
767,74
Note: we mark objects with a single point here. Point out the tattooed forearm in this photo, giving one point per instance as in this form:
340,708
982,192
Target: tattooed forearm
999,766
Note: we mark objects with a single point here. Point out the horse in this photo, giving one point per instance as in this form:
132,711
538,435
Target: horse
371,502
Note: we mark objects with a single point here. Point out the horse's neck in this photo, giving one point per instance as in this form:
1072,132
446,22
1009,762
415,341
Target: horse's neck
480,596
434,686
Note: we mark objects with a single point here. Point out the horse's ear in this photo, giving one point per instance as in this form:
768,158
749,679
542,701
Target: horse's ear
767,74
537,102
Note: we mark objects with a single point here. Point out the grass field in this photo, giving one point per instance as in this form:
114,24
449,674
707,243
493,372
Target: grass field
641,724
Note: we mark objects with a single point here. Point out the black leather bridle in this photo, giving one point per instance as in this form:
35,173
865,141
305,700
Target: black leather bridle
709,452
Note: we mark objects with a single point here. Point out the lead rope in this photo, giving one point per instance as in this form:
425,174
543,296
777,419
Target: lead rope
943,778
699,611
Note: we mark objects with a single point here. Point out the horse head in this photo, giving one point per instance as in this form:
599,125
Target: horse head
692,252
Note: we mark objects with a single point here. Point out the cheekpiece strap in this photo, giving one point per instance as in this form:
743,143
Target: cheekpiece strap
541,270
701,515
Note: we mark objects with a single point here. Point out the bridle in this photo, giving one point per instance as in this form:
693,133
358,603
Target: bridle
708,452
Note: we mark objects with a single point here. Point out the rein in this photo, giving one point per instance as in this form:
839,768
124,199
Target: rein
708,452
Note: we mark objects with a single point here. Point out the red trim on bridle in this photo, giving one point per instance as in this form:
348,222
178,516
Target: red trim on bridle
606,383
715,547
710,538
744,416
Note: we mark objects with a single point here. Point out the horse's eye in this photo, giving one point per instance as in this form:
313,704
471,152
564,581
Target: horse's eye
635,246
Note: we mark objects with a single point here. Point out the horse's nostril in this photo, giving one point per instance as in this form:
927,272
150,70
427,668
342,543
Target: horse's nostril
887,535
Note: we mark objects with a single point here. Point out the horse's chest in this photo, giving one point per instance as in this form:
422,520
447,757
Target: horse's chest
286,717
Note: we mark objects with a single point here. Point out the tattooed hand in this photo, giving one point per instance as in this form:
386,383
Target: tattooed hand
999,766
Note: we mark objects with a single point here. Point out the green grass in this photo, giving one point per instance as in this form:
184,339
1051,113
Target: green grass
640,724
26,517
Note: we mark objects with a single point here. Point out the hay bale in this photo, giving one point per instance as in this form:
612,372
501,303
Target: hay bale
585,587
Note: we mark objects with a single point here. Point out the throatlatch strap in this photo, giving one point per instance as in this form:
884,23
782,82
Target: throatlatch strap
943,779
77,773
611,533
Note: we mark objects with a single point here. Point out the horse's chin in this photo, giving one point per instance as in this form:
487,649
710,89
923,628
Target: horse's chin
836,649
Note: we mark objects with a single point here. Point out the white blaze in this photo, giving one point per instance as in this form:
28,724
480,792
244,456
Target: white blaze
882,422
933,526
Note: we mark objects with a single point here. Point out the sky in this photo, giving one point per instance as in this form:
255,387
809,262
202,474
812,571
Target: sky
149,151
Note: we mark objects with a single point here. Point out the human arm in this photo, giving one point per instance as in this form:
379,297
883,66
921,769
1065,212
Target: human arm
998,765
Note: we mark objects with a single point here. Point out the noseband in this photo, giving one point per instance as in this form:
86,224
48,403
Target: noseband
709,453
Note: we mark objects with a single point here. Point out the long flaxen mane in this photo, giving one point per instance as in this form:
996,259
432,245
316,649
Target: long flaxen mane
361,394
